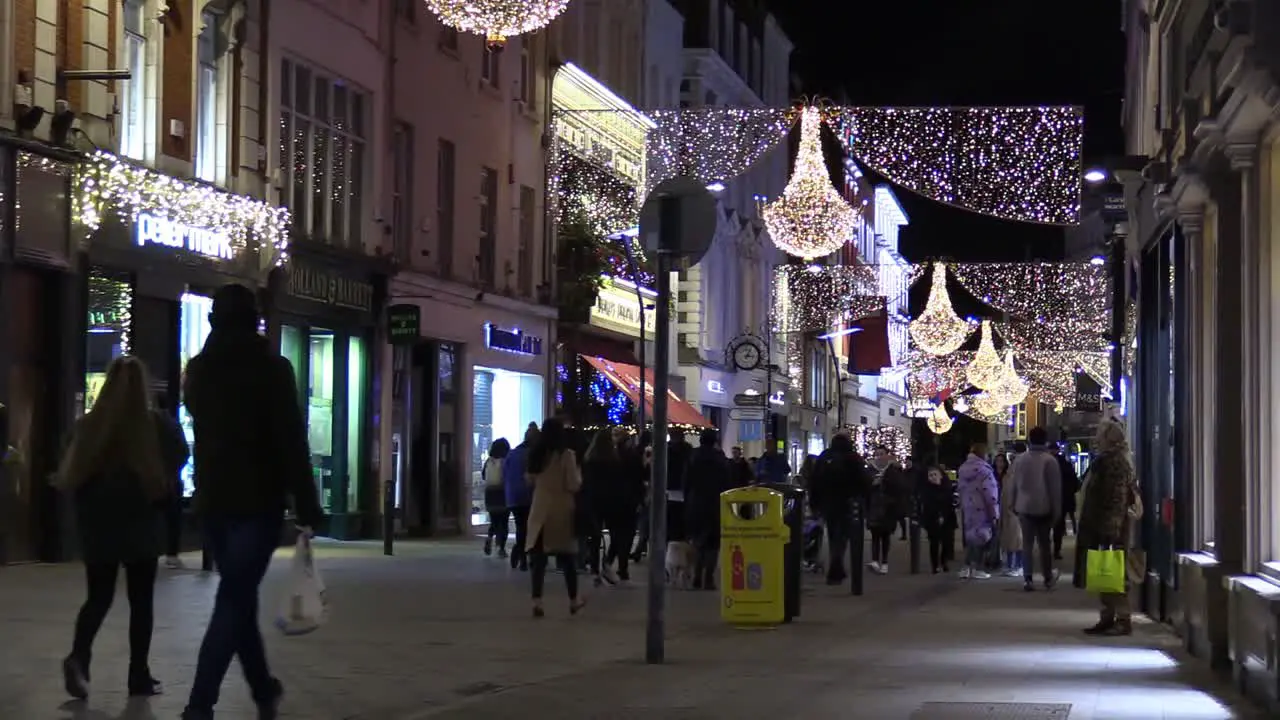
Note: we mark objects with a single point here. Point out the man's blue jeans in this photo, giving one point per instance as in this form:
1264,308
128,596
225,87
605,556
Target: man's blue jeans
242,548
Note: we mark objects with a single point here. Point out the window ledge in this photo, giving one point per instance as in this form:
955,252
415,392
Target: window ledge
1201,559
1270,571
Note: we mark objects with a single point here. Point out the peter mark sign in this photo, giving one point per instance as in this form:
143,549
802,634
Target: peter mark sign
154,230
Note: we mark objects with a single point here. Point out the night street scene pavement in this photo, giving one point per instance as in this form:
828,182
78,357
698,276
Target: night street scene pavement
440,631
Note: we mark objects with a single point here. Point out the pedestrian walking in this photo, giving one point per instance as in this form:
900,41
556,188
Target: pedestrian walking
554,475
518,494
888,505
495,497
980,509
1037,500
251,456
938,516
840,479
708,476
173,447
114,468
1109,514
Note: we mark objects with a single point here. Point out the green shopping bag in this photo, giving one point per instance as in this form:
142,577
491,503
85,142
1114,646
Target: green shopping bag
1105,571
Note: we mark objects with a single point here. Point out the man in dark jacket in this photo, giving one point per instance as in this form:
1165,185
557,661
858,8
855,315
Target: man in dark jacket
678,453
1070,486
251,456
840,479
175,453
707,477
519,494
740,472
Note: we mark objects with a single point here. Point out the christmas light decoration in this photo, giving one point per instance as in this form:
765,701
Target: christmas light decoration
497,20
1003,417
109,184
811,219
603,196
711,144
866,439
939,422
1039,291
1014,163
818,298
985,371
987,404
1010,389
939,331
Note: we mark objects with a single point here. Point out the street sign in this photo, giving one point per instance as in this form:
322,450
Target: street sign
745,400
679,219
747,414
404,324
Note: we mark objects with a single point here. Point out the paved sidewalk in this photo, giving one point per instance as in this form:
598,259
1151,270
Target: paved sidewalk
441,632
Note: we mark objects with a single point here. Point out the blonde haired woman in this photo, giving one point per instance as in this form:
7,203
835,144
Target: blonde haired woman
115,472
1111,505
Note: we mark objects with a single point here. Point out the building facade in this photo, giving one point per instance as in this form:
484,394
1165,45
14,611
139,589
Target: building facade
130,201
1201,106
736,55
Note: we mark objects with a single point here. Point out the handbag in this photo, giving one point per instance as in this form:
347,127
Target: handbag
1105,571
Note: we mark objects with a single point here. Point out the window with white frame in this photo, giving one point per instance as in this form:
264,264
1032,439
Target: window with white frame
402,191
322,154
133,92
528,225
490,66
206,130
524,89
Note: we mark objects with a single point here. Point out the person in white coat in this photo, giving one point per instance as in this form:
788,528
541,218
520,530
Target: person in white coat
495,497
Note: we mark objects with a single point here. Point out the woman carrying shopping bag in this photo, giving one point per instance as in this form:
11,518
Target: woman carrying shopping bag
1111,505
553,472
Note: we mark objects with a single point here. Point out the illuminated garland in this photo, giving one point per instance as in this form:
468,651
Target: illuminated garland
938,330
865,439
939,421
106,183
1039,290
605,197
712,144
817,298
1010,389
985,371
1014,163
811,219
605,393
497,20
1058,335
114,300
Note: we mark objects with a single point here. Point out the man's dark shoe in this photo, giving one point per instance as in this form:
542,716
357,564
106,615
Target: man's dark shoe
1102,628
141,684
1119,629
270,708
1028,585
75,678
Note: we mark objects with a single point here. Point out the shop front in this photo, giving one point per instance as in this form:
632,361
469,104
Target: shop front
157,250
40,305
481,371
326,307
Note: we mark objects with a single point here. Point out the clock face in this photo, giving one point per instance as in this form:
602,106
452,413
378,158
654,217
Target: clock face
746,356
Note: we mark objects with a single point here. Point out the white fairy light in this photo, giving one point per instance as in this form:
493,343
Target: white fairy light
811,219
497,20
938,330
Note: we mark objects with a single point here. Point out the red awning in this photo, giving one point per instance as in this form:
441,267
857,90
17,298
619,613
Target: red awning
590,345
627,379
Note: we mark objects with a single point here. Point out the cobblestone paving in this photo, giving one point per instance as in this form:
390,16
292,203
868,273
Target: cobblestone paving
441,632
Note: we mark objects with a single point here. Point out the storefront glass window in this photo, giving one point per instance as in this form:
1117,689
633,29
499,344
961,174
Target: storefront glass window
503,405
110,305
321,367
355,419
193,329
291,348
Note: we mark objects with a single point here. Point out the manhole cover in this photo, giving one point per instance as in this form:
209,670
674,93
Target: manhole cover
991,711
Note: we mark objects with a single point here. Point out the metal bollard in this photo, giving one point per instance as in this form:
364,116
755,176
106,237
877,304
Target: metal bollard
857,543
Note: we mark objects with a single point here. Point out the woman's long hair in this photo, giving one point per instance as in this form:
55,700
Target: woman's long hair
119,434
602,448
1111,438
552,440
1000,464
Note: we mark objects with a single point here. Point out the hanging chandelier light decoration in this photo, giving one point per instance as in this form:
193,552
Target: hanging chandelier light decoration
810,220
938,330
987,404
1011,389
939,422
985,371
497,20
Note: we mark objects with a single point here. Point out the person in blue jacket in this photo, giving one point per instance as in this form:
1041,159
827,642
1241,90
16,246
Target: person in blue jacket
772,467
519,494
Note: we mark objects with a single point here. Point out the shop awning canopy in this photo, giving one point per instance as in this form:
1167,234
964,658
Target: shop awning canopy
627,379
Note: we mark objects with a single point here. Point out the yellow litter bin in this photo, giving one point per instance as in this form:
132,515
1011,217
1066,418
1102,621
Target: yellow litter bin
753,539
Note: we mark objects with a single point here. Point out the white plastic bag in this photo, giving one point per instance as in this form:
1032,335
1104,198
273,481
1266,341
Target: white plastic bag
304,608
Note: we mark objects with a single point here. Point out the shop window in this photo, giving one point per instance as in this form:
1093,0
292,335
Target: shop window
322,154
193,329
503,405
206,130
133,92
357,372
321,365
110,308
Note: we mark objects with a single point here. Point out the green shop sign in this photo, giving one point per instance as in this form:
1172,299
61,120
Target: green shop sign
330,288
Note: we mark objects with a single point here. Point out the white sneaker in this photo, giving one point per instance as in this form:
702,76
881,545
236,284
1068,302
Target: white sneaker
608,575
965,573
883,569
980,575
875,566
1013,572
173,562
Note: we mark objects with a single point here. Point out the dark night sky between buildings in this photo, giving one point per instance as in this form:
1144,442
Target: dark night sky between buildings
966,52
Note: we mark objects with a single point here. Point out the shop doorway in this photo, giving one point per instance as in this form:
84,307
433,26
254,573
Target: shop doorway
28,501
503,405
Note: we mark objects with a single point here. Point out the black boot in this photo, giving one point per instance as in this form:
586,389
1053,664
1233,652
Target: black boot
1105,623
269,708
141,684
75,677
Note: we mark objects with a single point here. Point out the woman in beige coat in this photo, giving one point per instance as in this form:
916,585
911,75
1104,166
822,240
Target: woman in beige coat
553,472
1010,528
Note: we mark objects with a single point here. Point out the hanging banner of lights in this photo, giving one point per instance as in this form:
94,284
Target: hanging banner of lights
497,20
817,298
